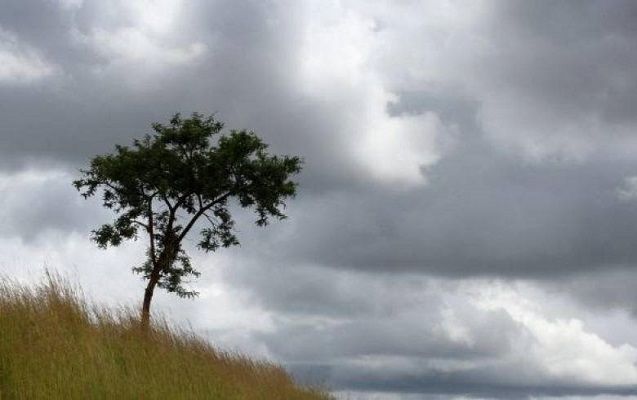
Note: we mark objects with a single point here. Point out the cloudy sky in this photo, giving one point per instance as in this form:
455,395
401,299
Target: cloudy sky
466,225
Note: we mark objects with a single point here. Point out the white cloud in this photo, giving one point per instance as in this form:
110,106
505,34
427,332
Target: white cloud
338,69
410,323
70,4
539,98
141,39
222,312
19,63
46,224
353,58
38,201
562,347
135,45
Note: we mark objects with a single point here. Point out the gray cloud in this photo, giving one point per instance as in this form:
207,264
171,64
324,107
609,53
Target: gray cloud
480,214
506,133
425,336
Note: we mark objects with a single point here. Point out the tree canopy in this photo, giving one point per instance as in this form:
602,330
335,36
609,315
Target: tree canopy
183,173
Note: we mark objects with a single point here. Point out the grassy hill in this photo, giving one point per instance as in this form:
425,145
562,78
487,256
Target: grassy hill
53,345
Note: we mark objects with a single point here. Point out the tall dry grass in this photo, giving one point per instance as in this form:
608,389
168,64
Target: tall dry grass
53,345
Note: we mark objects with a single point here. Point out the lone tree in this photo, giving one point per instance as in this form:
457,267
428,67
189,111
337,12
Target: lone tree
183,173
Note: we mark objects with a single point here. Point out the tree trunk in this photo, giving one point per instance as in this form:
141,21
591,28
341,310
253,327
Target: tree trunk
162,265
148,297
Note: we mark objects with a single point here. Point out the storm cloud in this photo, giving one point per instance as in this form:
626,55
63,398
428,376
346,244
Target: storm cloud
467,211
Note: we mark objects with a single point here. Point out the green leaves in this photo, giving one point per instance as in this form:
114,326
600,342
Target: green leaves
183,174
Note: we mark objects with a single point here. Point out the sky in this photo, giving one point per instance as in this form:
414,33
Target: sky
466,220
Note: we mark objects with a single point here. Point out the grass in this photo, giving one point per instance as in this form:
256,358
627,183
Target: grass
54,345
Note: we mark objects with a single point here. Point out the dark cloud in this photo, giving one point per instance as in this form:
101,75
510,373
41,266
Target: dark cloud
242,77
480,214
36,202
470,383
603,290
564,75
530,108
409,334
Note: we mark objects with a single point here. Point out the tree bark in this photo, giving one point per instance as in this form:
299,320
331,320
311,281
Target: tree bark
161,265
148,297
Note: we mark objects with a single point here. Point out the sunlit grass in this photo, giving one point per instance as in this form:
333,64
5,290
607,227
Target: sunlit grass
54,345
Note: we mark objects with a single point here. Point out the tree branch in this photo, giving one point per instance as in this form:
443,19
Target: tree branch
141,224
209,219
151,233
110,185
181,199
200,213
170,206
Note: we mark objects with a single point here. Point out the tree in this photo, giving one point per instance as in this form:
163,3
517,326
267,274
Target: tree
184,173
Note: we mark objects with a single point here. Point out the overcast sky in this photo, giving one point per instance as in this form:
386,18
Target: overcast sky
466,225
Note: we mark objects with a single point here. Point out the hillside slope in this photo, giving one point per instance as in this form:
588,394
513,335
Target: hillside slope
55,346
